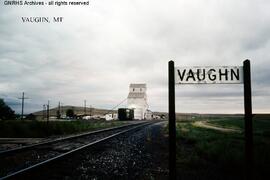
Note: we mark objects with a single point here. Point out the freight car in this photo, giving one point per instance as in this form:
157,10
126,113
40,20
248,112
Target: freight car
125,114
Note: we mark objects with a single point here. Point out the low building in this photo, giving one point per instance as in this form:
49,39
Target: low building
109,117
148,115
86,117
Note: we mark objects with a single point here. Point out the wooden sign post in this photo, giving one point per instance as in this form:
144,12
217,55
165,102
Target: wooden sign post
172,129
248,121
211,75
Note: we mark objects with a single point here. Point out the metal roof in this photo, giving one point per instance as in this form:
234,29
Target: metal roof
137,85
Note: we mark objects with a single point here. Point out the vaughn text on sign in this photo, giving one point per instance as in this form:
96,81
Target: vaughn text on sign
209,75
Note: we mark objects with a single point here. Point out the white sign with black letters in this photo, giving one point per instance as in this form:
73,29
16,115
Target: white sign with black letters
209,75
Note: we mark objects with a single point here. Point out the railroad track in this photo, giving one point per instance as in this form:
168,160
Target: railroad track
19,161
23,148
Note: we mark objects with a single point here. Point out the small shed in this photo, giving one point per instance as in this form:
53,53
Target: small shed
111,116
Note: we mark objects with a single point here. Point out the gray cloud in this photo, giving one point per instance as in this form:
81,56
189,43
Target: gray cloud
100,49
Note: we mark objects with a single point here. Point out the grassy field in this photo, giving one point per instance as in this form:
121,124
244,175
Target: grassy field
260,126
210,154
40,129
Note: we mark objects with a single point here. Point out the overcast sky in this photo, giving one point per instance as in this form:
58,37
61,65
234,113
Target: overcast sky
99,50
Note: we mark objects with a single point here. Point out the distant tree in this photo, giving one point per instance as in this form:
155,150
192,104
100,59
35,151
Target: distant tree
5,111
31,117
70,113
58,115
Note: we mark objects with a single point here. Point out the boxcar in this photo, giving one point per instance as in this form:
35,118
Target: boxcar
125,114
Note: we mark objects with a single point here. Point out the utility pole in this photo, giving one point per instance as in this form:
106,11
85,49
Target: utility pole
90,110
22,98
44,111
62,108
58,114
85,107
48,112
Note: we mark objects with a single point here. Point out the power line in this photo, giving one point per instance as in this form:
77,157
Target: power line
116,106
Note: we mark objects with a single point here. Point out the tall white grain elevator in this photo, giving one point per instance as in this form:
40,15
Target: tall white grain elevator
137,100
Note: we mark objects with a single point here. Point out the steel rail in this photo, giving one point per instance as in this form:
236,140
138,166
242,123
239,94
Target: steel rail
14,150
59,157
